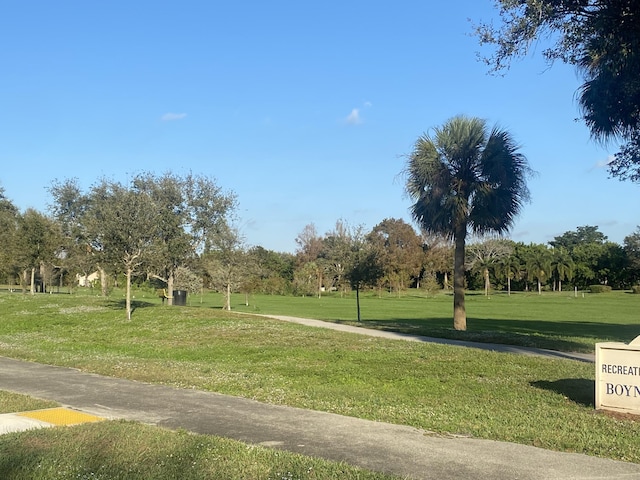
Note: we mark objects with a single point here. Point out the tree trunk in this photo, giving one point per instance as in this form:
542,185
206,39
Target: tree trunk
487,284
459,312
103,281
508,285
227,298
539,287
170,282
43,283
358,301
33,281
560,285
128,296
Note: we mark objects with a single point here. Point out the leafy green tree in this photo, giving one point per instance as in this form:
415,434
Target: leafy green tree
122,227
587,247
68,207
402,252
306,279
9,220
38,241
274,270
227,263
613,266
602,39
586,257
308,254
466,177
334,255
437,259
632,251
571,239
191,215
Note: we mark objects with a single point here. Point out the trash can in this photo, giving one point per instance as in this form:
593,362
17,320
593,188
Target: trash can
180,297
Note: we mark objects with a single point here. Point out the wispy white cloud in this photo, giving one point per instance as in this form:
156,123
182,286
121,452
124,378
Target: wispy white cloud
170,117
354,117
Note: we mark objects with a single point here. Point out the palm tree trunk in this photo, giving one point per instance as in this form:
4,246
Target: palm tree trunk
487,284
459,312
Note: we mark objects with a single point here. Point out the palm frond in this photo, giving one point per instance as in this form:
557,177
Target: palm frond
466,175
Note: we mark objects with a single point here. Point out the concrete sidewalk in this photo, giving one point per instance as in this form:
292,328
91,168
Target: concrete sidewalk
376,446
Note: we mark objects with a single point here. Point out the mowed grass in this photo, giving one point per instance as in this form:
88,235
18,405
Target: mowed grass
15,402
131,451
563,321
443,389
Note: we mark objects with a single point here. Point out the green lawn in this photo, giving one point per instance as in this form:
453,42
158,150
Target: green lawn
535,401
558,321
14,402
132,451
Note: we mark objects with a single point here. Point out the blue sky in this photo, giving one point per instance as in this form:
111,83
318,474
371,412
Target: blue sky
306,110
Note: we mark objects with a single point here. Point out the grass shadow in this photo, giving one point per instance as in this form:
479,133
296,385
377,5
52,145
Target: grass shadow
122,304
525,333
578,390
481,331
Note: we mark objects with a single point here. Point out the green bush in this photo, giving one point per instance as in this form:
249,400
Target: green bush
635,289
599,288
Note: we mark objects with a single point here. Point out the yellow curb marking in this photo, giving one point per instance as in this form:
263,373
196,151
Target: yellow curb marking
61,416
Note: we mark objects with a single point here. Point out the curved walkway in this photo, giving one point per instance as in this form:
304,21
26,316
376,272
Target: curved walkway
377,446
583,357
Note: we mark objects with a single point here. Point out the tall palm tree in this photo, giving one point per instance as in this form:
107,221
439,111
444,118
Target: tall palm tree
466,177
538,264
510,267
561,265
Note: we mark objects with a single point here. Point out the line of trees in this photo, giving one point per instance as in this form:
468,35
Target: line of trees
148,228
177,233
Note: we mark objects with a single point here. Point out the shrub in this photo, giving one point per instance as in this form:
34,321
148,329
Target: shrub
636,289
599,288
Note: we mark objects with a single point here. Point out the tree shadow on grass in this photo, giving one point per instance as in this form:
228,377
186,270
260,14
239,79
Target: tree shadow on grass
578,390
500,332
122,305
553,335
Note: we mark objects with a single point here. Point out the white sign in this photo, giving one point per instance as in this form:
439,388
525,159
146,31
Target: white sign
618,376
